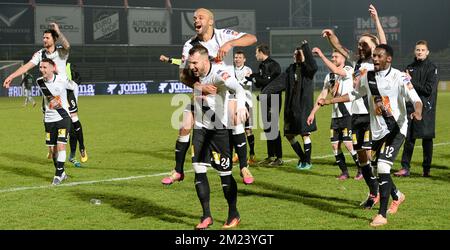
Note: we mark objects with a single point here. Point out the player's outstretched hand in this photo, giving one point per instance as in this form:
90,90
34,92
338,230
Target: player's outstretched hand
310,119
7,82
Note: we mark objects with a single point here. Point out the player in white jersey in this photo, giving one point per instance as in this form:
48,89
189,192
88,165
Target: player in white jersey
337,83
58,54
56,114
211,136
241,72
219,43
360,116
387,90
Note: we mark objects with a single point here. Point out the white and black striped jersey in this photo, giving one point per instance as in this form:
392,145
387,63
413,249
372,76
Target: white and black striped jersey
224,79
393,87
56,90
220,37
59,56
358,105
338,85
240,74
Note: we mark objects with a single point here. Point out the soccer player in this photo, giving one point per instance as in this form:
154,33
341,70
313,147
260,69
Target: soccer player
297,82
387,90
59,54
56,114
338,82
27,83
219,43
360,115
211,134
241,71
76,131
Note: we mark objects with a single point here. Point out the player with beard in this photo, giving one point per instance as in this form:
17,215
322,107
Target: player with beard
219,43
360,115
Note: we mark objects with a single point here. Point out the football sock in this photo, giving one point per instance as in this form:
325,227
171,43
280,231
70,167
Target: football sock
385,189
79,133
240,145
251,143
181,148
229,188
370,179
298,149
202,188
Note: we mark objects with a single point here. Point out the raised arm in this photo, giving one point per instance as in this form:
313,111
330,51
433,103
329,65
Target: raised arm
376,20
309,63
277,85
334,42
62,39
243,41
333,68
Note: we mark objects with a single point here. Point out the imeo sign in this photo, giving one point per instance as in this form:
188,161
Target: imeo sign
132,89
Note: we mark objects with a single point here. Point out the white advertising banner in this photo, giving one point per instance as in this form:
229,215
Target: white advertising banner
68,18
238,20
149,27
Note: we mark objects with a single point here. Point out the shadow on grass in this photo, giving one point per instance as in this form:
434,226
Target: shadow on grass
28,158
316,201
25,171
139,207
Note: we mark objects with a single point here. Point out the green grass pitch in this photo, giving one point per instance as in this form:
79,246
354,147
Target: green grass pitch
130,143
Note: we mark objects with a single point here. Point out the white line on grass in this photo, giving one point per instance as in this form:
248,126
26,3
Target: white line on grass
16,189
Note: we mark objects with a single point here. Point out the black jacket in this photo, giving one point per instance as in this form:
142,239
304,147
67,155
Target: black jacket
425,80
269,69
299,95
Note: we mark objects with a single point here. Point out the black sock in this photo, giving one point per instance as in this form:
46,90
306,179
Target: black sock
202,188
59,168
240,145
355,159
370,179
251,143
385,190
308,150
72,142
55,161
298,150
79,133
340,160
181,149
229,188
394,192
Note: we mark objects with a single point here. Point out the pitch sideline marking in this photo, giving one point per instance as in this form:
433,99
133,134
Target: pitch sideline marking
16,189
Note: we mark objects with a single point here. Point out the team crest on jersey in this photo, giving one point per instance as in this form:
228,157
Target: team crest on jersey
225,75
232,32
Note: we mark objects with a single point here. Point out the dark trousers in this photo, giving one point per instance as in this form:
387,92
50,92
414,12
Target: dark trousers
408,149
271,126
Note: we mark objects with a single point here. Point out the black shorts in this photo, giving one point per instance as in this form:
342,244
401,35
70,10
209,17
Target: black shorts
56,132
249,121
73,104
340,129
362,138
215,143
387,148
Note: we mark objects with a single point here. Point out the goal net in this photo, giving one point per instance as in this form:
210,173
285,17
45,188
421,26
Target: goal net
7,68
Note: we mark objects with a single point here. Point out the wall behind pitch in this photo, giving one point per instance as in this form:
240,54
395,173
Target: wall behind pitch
16,24
69,19
105,25
149,27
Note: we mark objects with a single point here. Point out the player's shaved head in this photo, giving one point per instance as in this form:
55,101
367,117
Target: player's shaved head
205,11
